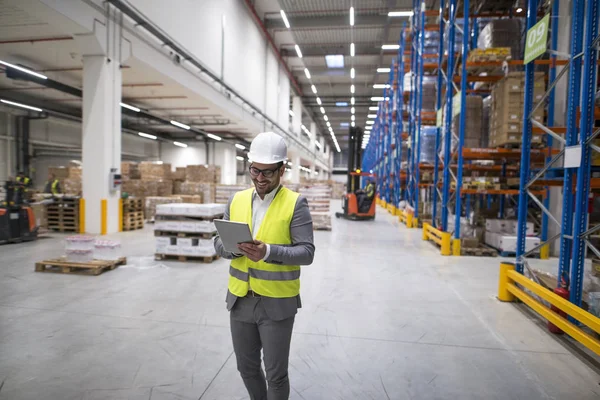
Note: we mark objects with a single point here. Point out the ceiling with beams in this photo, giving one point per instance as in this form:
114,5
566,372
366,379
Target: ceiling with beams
322,27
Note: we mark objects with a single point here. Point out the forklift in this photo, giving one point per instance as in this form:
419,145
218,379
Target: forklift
353,209
17,221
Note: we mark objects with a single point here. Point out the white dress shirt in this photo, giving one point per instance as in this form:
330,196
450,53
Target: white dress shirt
259,210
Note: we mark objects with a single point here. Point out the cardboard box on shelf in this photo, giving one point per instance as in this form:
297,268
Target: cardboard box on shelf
203,173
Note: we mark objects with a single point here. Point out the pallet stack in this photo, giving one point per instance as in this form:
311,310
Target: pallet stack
501,234
63,214
319,198
225,192
184,232
133,214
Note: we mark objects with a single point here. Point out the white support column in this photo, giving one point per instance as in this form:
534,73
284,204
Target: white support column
313,147
297,117
101,124
295,169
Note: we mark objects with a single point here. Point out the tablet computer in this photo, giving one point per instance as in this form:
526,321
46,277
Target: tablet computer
233,233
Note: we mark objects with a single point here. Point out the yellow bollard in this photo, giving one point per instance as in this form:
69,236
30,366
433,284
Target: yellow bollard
82,215
503,281
446,244
415,223
425,235
456,247
103,216
409,219
545,252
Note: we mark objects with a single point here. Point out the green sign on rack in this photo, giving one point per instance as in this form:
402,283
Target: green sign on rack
537,40
440,117
456,105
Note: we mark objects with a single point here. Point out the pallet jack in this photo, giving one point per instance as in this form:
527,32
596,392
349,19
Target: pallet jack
17,221
350,202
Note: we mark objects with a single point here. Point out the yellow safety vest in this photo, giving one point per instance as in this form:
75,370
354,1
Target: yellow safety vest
278,281
54,188
370,190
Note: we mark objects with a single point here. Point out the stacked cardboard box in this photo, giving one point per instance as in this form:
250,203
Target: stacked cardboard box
338,190
203,173
318,197
164,188
130,170
192,199
225,192
179,174
69,178
153,201
155,171
207,190
506,113
502,33
139,188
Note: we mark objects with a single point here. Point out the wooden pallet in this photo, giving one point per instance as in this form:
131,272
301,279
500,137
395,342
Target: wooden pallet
132,205
64,228
166,257
62,266
127,226
481,251
512,254
191,235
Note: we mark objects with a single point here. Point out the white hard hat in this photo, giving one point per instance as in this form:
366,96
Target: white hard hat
268,148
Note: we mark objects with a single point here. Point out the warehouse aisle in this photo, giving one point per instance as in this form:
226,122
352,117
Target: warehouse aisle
384,317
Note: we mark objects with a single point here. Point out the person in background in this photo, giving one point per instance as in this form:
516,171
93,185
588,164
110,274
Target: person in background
364,196
263,294
52,185
22,187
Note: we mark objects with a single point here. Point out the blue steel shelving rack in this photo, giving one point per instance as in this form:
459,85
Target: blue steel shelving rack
582,86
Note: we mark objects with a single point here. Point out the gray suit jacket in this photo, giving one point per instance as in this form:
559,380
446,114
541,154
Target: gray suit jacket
300,252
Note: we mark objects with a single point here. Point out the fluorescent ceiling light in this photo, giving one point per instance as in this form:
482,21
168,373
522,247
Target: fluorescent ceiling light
27,71
318,145
334,61
352,110
180,144
353,117
376,98
240,146
307,73
322,110
352,50
285,20
328,124
214,137
400,14
381,86
519,10
298,52
383,70
374,108
390,47
352,101
326,118
147,136
372,116
319,102
370,122
132,108
314,88
303,127
291,113
352,73
351,88
344,124
180,125
12,103
239,158
353,124
351,16
341,104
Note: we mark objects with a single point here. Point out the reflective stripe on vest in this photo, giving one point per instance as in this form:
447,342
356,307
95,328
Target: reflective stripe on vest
269,280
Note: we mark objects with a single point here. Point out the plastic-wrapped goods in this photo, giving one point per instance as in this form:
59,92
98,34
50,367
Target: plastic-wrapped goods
474,122
153,201
107,250
79,256
225,192
427,138
503,33
79,242
207,190
485,125
154,171
428,90
191,210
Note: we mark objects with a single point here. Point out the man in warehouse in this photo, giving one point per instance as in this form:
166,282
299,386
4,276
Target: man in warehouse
264,277
365,197
53,185
22,186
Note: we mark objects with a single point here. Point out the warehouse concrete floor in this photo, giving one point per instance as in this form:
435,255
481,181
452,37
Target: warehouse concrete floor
384,317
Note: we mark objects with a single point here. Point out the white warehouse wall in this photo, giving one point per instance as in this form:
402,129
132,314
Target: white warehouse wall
239,53
194,154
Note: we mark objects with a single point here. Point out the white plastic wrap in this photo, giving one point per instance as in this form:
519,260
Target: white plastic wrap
191,210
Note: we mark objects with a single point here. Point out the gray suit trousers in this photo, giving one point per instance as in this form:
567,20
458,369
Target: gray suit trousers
251,331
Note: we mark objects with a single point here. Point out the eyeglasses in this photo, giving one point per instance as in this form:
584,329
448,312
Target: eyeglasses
267,173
